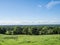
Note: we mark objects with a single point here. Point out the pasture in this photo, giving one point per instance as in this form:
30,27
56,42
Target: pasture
29,39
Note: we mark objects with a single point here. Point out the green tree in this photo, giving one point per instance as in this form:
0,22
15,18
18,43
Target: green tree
17,30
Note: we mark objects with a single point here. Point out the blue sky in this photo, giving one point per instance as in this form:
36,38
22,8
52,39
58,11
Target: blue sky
29,12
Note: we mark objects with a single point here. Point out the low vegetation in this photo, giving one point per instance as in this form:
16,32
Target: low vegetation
29,39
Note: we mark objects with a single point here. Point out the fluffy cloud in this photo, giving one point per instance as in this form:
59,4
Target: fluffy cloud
51,4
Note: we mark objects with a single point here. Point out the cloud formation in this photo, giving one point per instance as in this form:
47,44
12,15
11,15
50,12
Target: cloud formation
29,22
51,4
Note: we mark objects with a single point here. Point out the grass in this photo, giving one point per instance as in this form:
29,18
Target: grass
29,39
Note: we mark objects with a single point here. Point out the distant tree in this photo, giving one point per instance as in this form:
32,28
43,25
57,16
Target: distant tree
2,30
35,31
25,30
17,30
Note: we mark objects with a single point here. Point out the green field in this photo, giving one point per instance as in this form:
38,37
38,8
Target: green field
29,39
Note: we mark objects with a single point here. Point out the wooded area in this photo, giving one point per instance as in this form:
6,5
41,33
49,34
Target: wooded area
30,30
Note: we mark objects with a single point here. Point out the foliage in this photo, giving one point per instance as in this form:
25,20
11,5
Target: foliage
30,29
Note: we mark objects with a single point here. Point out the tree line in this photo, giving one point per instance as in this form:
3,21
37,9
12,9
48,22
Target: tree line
29,30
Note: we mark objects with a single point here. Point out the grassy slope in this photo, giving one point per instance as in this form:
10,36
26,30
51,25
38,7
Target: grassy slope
29,40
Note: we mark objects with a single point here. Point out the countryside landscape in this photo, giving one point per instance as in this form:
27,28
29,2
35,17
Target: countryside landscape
29,22
30,35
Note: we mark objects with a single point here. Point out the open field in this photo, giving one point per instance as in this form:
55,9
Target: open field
29,39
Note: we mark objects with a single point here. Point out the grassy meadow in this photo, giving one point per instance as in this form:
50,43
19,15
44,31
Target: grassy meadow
29,39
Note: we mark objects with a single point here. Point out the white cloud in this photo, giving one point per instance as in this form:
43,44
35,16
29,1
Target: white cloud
51,4
29,22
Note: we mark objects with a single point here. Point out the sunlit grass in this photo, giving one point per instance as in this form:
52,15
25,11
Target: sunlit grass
29,39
